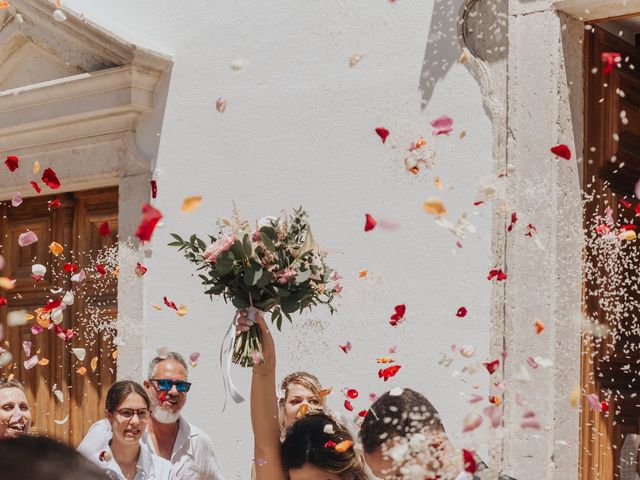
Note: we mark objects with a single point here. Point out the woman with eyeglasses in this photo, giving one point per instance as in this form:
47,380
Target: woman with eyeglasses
128,410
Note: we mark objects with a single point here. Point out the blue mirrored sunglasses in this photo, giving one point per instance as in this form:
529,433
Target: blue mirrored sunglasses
166,385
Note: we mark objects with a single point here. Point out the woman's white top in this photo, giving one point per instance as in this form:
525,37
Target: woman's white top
149,467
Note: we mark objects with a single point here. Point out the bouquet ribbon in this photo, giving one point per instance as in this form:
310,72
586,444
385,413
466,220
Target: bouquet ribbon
226,355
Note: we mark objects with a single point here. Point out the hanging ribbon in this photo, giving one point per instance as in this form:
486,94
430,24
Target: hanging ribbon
225,363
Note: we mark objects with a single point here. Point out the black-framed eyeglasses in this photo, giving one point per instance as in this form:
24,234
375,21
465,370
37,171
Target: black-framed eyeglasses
165,385
127,413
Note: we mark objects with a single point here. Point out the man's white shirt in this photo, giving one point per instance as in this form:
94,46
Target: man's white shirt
192,456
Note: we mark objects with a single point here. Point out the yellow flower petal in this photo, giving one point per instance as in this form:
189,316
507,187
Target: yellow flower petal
7,283
114,354
94,363
191,204
437,183
56,248
182,310
43,362
434,206
574,396
303,410
156,306
36,166
627,235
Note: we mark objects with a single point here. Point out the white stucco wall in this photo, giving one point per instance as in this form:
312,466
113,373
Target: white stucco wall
299,129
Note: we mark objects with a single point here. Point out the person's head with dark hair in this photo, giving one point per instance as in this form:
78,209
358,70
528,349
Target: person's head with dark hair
15,412
403,432
128,409
41,458
317,446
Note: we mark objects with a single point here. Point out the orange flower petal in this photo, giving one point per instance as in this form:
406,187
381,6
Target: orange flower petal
191,204
43,362
539,327
363,273
82,371
344,446
434,206
94,363
56,248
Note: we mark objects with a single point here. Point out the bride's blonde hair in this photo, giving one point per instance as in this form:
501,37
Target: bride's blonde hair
306,380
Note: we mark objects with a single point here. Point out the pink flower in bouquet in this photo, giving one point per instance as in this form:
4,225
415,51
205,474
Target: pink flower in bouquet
221,245
286,276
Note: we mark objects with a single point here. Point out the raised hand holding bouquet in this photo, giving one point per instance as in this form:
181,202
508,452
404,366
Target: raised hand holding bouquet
274,266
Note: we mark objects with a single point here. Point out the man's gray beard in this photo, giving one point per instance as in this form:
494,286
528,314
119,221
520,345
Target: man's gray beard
164,416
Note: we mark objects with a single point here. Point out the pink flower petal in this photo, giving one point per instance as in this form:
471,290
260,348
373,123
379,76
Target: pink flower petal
27,238
194,357
16,200
594,402
36,329
78,277
26,346
471,421
495,415
32,362
442,125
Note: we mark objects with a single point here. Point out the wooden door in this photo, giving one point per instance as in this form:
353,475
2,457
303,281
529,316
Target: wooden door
75,225
610,362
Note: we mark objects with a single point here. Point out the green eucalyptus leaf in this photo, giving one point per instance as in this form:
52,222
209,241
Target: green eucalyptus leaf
252,274
247,247
270,232
268,243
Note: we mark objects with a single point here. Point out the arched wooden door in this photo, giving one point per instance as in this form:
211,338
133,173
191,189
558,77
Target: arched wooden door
66,392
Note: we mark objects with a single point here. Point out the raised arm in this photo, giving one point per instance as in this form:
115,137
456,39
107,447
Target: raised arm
264,412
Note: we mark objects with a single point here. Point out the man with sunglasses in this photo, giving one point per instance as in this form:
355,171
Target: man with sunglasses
168,434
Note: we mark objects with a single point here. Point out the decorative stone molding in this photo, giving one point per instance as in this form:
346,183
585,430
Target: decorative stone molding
587,10
75,91
71,96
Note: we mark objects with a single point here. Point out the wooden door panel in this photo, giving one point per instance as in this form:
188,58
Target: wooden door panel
612,168
75,225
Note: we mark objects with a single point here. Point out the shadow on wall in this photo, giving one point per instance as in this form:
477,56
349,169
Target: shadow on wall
480,25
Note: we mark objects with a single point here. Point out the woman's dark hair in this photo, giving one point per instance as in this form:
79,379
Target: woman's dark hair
398,414
312,439
120,390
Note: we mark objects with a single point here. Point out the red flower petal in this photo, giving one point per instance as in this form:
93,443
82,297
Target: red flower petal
70,268
54,203
363,413
154,189
604,405
491,366
101,269
36,187
514,219
140,269
170,304
50,178
65,334
399,315
462,312
609,61
629,226
638,210
383,133
150,218
470,463
388,372
498,274
12,162
329,444
104,229
348,406
562,151
345,348
625,203
369,223
3,301
36,278
530,231
352,393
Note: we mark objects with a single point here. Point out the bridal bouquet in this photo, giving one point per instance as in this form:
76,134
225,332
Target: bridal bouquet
274,266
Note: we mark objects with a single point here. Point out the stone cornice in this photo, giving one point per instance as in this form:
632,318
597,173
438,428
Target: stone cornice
588,10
